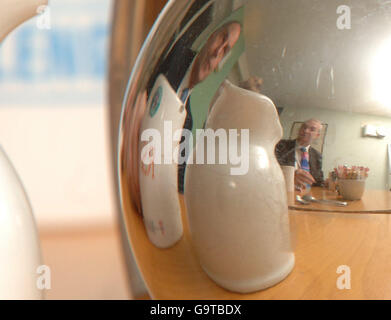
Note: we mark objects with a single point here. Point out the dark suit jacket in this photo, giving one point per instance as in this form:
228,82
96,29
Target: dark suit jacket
285,154
182,166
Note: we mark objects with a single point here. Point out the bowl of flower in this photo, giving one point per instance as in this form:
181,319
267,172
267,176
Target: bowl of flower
351,181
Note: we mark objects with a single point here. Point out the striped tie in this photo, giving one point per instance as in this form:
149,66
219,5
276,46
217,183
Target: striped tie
304,163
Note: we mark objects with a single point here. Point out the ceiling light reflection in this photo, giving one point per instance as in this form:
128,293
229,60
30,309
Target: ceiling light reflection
381,74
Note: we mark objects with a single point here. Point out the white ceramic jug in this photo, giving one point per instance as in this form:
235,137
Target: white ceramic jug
165,115
239,221
20,254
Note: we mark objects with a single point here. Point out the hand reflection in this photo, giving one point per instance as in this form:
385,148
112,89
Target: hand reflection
303,177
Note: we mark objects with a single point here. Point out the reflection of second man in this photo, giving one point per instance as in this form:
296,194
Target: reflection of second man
299,153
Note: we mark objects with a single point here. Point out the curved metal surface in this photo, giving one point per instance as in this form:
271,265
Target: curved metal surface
131,23
309,58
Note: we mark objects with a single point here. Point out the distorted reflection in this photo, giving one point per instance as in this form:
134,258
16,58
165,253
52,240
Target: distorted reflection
171,66
299,154
293,79
381,74
215,49
161,170
313,69
176,92
241,235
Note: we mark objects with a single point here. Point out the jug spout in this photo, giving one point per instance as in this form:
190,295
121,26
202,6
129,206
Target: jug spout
14,12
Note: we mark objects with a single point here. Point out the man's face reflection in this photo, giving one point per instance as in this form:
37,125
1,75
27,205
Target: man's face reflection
215,49
309,131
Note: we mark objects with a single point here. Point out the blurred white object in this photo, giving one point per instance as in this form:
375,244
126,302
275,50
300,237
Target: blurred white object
289,176
370,131
14,12
239,223
20,254
159,182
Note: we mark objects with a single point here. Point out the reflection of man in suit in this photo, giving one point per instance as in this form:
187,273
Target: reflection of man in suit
181,59
216,48
290,153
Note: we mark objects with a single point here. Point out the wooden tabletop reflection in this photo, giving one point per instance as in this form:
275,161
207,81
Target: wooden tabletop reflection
375,201
322,241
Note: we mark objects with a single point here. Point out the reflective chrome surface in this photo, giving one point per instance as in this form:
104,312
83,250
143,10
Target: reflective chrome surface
313,59
132,21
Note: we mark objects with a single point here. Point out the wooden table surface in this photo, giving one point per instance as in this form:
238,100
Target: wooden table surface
376,201
322,241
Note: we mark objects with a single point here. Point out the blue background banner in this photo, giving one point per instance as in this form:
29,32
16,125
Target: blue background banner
60,56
